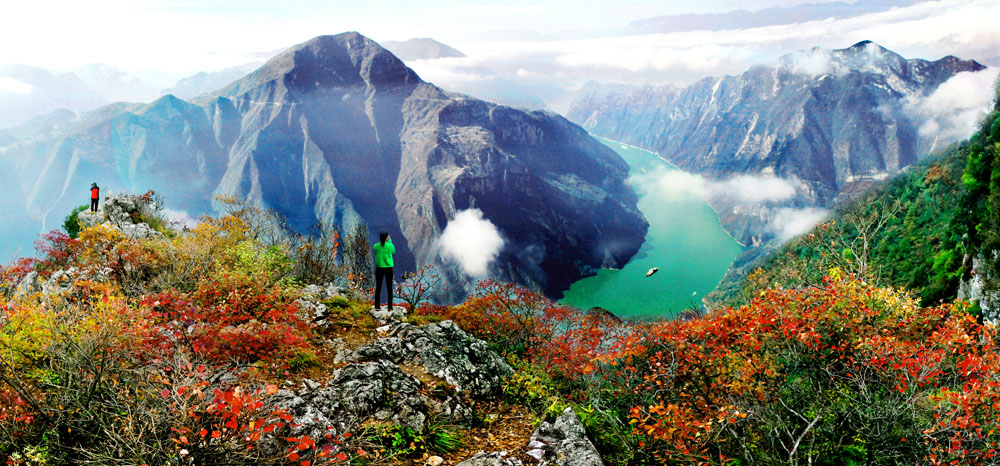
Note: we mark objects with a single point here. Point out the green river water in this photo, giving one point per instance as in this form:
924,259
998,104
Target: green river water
685,240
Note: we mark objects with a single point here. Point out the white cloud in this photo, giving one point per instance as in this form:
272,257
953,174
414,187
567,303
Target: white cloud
10,85
472,241
452,70
674,184
180,218
787,222
745,189
955,109
755,188
812,62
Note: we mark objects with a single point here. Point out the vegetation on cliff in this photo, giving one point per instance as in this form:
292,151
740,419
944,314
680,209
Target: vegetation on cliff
922,231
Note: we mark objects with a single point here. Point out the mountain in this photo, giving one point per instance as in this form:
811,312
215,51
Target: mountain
821,124
744,19
115,85
420,49
339,130
28,91
931,230
208,81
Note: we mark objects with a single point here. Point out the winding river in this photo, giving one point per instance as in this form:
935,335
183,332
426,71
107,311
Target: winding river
685,241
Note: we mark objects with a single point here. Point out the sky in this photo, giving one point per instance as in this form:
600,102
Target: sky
547,48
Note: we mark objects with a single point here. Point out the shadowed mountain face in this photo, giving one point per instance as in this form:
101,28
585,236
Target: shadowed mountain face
827,120
339,130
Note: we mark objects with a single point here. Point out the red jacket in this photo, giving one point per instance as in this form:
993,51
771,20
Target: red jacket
94,193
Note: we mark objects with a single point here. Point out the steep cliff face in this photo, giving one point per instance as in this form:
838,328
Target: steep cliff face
823,119
339,130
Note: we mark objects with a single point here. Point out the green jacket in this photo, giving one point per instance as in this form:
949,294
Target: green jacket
383,254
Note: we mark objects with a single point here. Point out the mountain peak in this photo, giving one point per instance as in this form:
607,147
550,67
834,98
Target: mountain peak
862,44
327,62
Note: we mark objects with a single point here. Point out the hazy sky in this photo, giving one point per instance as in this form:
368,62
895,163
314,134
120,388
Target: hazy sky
533,42
191,35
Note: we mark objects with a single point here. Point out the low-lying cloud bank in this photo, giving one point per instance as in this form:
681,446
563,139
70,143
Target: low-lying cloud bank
788,222
472,241
955,109
743,189
766,190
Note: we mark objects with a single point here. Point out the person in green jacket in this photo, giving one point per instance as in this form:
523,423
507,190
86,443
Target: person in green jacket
383,267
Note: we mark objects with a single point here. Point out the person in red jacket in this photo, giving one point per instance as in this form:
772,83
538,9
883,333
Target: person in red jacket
95,194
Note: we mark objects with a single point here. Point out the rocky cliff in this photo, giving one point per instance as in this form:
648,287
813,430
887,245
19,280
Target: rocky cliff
339,130
825,121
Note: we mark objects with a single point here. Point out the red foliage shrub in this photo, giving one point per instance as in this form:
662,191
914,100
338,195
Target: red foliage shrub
230,319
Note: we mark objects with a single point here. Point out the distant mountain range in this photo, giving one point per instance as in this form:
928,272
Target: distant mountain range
420,49
478,80
115,85
29,91
822,122
743,19
339,130
207,81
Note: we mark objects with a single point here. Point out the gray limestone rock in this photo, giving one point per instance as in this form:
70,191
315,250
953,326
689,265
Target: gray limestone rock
563,443
445,351
324,292
496,458
974,289
29,284
89,219
384,316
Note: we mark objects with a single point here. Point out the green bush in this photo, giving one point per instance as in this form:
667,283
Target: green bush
72,222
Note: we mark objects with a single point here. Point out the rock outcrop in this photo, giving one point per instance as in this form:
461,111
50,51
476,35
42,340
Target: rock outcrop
563,443
445,351
375,387
974,289
122,212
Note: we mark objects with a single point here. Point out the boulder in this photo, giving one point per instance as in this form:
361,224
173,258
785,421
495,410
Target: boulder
563,443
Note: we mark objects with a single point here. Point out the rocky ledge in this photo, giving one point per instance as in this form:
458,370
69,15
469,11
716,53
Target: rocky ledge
121,212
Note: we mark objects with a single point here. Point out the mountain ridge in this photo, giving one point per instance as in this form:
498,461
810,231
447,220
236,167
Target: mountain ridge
821,119
305,132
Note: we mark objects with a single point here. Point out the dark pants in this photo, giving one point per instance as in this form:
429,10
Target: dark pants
380,273
93,205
